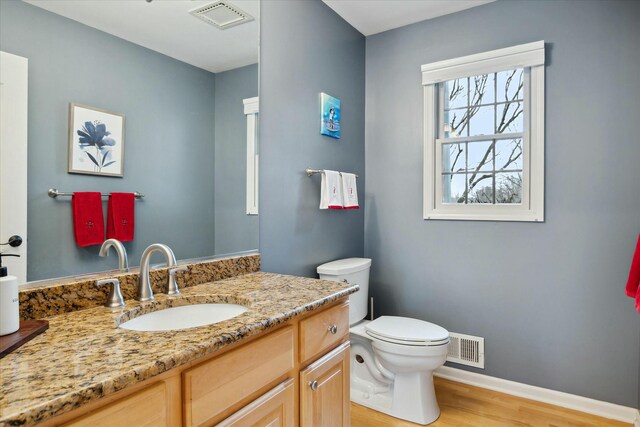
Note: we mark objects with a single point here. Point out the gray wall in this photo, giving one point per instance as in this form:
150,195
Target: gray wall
169,152
235,230
548,298
306,49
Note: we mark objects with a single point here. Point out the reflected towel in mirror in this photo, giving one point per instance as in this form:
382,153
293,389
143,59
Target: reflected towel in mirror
88,221
120,216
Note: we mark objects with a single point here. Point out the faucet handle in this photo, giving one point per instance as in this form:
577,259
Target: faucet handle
115,296
173,285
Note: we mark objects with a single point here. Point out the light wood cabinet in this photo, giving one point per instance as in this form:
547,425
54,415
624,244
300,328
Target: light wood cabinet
262,381
323,331
273,409
324,390
156,405
220,383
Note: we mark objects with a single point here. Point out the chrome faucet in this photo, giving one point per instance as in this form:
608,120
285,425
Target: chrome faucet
144,285
115,296
123,262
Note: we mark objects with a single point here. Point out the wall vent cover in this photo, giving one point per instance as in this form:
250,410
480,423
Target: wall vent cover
222,14
466,350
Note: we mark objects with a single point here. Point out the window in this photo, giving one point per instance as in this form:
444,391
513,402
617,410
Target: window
251,111
484,136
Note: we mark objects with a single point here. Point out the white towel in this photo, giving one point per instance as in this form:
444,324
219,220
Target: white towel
349,191
331,190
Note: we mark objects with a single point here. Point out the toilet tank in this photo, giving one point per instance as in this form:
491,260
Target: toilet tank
353,271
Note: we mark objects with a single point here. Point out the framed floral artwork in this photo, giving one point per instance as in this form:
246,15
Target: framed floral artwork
96,141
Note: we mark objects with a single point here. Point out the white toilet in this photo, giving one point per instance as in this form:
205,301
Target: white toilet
392,358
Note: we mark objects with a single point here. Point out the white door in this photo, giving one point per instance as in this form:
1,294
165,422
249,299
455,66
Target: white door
13,160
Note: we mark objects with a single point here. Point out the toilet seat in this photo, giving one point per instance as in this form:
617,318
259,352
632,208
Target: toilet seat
407,331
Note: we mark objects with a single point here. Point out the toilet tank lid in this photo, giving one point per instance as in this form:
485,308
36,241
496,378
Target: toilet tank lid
344,266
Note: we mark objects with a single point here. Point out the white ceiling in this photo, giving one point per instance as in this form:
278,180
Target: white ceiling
375,16
166,26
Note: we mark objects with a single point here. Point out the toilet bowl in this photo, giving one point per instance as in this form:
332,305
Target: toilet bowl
392,358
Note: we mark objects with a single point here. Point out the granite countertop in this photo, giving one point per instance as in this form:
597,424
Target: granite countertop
83,356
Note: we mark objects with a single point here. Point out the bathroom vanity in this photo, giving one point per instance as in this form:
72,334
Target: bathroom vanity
285,361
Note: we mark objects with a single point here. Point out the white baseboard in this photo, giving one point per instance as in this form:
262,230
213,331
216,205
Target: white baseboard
558,398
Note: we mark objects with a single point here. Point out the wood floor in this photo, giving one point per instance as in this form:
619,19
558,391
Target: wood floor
462,405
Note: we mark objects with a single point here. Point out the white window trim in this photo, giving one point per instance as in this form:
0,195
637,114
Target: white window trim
530,55
251,107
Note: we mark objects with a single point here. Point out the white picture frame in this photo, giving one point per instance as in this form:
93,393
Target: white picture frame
96,141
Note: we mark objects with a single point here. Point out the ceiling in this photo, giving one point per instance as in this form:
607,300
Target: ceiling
375,16
166,26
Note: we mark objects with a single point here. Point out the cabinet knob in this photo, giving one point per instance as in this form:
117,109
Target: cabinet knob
313,385
333,329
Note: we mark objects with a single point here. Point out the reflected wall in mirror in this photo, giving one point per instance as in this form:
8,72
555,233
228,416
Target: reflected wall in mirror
180,81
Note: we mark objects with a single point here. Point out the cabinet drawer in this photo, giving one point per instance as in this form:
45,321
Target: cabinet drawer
216,385
323,331
148,407
273,409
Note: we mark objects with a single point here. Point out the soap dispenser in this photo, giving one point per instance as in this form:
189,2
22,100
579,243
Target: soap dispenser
9,303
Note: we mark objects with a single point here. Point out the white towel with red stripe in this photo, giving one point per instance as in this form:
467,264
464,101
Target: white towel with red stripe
349,191
331,190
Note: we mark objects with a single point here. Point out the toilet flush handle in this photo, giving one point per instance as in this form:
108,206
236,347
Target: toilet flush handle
313,385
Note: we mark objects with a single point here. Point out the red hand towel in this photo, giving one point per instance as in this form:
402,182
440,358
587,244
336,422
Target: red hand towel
633,284
88,222
120,216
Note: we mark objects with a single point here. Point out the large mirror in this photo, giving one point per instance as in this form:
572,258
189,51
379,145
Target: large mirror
178,82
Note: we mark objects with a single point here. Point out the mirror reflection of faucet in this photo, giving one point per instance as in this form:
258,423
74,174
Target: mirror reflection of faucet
173,290
123,262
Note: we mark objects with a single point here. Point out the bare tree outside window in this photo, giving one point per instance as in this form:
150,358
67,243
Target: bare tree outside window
485,170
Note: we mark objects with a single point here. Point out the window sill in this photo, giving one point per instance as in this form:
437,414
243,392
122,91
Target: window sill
525,216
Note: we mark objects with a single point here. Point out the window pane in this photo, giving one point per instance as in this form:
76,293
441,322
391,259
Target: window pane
456,123
453,157
509,187
477,181
510,118
481,120
455,93
453,188
510,85
509,154
483,89
480,156
480,188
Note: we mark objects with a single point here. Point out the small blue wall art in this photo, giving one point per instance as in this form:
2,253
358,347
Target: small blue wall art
330,116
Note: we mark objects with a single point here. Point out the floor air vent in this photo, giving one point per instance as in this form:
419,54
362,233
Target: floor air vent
466,350
222,14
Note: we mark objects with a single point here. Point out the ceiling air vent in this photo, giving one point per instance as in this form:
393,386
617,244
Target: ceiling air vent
222,14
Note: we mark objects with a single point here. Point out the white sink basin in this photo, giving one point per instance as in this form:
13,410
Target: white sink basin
183,317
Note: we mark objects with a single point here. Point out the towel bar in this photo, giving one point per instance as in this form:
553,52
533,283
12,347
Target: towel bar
53,193
310,172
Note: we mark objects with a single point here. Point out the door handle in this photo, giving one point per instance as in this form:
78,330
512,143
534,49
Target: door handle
14,241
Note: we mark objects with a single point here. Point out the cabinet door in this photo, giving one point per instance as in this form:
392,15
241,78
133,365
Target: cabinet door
324,390
273,409
155,406
212,387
